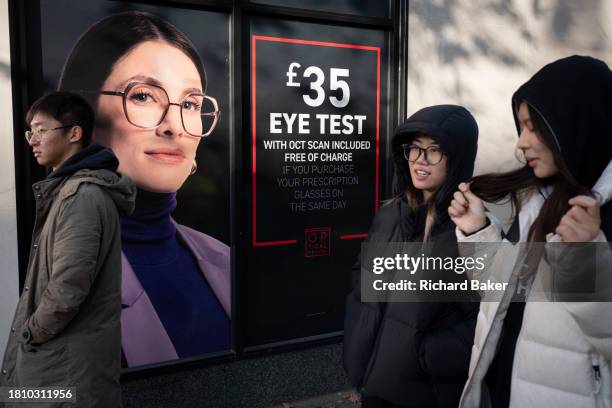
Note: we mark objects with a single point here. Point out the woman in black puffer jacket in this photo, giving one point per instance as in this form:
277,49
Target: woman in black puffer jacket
416,354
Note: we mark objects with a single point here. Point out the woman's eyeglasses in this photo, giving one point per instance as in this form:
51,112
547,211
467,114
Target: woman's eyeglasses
146,105
412,152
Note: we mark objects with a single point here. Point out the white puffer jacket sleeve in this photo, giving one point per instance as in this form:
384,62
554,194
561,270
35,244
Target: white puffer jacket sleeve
571,267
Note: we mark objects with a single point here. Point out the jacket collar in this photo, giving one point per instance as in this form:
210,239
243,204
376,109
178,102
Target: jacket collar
132,290
144,339
101,177
46,186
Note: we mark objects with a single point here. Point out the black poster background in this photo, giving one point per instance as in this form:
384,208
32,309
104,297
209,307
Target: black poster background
351,193
299,262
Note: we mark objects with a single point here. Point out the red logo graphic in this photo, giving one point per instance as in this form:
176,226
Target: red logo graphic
317,241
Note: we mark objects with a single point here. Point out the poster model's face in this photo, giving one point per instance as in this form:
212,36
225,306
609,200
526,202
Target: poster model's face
158,159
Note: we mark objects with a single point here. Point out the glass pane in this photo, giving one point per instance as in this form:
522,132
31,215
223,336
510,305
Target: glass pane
363,8
319,124
176,241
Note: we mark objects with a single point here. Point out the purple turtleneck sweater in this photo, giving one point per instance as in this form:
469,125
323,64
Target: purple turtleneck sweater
187,307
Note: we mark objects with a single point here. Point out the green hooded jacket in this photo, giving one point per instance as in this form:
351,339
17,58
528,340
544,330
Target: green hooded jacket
66,329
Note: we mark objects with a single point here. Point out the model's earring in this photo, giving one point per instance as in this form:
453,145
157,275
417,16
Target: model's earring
194,167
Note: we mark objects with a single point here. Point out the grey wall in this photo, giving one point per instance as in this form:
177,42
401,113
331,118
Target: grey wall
9,275
478,52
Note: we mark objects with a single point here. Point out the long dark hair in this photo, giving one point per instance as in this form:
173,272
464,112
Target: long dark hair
497,187
92,59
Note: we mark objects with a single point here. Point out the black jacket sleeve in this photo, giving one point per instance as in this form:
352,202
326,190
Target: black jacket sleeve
362,320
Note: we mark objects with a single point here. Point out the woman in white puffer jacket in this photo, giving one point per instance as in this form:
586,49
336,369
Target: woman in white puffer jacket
528,352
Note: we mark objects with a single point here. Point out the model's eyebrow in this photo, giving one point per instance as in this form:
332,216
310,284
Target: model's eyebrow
37,123
154,81
139,78
192,91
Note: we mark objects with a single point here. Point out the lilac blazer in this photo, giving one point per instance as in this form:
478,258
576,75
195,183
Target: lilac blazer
143,336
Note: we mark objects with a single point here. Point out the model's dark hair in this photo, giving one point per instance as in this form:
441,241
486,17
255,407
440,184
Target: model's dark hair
497,187
68,109
93,57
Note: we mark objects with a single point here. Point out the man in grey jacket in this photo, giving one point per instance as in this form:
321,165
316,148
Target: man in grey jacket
66,329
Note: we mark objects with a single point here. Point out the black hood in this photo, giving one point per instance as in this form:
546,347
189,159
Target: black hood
574,97
92,157
455,130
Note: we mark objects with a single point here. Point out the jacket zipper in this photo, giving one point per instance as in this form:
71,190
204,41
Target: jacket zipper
596,372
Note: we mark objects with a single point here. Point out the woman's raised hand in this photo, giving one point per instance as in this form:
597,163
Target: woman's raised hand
467,211
581,222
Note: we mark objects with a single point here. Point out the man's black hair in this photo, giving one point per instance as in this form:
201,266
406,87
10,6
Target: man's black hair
67,108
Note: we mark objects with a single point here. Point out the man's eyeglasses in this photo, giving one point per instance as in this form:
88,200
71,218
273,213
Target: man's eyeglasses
39,133
412,152
146,105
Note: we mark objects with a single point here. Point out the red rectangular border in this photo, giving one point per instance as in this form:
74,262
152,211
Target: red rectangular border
254,40
354,236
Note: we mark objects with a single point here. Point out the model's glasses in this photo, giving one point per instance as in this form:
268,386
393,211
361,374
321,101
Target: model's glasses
146,105
39,133
412,152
